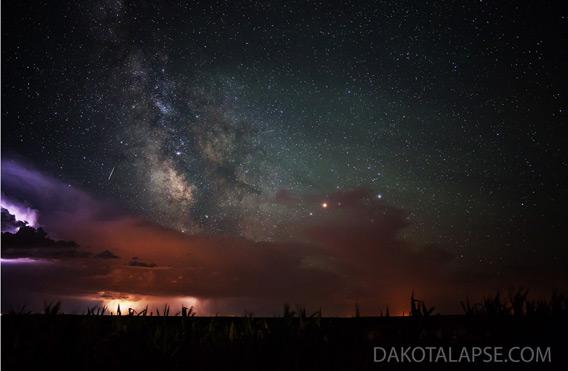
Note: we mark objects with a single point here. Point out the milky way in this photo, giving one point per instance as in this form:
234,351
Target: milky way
196,116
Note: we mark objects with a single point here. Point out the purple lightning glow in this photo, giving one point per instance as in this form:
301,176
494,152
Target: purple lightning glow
19,261
21,212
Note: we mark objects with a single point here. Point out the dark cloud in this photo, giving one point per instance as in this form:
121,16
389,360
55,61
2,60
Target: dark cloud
62,206
31,242
9,222
107,254
136,262
350,251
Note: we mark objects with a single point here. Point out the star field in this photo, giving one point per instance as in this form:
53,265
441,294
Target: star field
203,111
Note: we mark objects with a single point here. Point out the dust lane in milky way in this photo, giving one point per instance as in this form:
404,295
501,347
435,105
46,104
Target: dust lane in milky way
264,125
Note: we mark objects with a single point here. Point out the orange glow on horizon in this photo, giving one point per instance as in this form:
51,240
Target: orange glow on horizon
140,302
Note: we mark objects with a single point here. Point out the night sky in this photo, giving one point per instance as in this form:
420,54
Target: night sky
268,151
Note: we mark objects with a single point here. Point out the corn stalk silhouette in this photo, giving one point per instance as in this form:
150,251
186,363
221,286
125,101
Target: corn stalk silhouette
418,308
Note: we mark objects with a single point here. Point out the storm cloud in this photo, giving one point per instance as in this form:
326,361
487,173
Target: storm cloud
350,251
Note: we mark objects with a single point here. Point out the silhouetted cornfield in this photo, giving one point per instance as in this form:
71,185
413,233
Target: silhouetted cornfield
295,341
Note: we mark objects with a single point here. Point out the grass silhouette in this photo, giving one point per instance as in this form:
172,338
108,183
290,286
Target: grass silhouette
162,338
516,304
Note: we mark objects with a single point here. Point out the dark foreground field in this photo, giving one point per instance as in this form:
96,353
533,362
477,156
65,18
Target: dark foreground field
35,341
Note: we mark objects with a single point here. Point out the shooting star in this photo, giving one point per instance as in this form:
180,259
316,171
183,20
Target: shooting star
111,172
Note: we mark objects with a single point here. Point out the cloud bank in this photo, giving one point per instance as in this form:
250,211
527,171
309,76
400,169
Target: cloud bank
348,252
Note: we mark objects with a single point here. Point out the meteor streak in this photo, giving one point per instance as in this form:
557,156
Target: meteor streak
111,172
